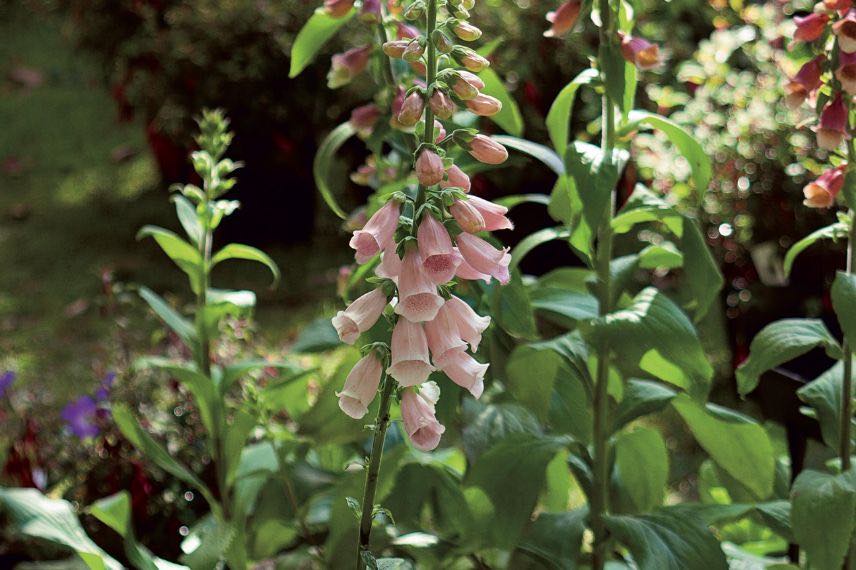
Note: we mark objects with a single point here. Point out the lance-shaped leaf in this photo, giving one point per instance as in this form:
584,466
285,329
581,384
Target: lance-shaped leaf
844,302
538,151
663,255
189,220
823,516
249,253
312,37
835,231
517,199
640,398
781,342
182,253
657,335
823,394
701,271
735,442
643,206
559,116
642,467
181,326
509,117
322,164
554,541
564,307
418,486
530,242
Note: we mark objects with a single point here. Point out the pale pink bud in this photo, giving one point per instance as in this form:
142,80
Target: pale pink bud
465,371
389,266
846,72
469,324
361,386
345,66
413,51
563,19
363,119
420,419
810,27
821,192
406,31
338,8
484,105
466,31
395,48
443,336
639,51
833,124
411,110
485,258
370,11
360,316
487,150
465,271
429,168
470,59
804,82
378,233
456,178
441,104
410,363
418,299
467,85
467,216
439,258
363,175
845,30
494,215
440,131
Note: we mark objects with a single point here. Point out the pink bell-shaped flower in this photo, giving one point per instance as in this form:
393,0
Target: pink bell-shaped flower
443,336
420,419
563,19
410,364
470,325
418,299
464,370
804,82
377,234
439,258
485,258
361,386
833,124
360,316
821,192
810,27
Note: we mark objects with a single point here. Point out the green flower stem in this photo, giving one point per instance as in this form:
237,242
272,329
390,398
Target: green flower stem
599,501
431,69
381,424
847,384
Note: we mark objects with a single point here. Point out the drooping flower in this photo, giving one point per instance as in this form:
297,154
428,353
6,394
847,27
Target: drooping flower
810,27
441,104
360,316
6,381
467,85
389,266
833,124
395,48
470,59
838,5
465,271
467,216
470,325
443,336
846,72
456,178
377,234
361,386
804,82
429,168
80,417
418,300
821,193
487,150
485,258
484,105
845,30
464,370
466,31
563,19
420,419
439,258
639,51
410,363
346,66
363,119
338,8
494,215
411,110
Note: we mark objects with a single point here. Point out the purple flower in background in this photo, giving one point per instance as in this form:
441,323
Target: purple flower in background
103,392
80,416
6,381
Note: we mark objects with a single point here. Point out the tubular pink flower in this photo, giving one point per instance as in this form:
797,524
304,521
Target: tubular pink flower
639,51
363,119
338,8
389,266
470,59
411,110
443,336
466,31
467,85
395,48
845,30
494,215
429,168
377,234
833,124
410,363
821,192
846,72
442,104
465,271
563,19
418,300
439,258
810,27
484,258
456,178
406,31
413,51
804,82
467,216
360,316
470,324
484,105
345,66
487,150
465,371
420,419
361,386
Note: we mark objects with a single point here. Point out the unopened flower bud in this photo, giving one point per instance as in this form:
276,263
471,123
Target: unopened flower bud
345,66
456,178
484,105
442,42
406,31
467,85
395,48
467,216
470,59
810,27
804,82
833,124
563,19
640,52
845,30
338,8
487,150
821,193
429,168
411,110
468,4
413,51
441,104
364,118
439,131
370,11
466,31
415,11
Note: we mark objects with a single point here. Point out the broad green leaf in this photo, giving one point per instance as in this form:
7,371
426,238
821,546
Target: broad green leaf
701,271
739,445
564,307
168,315
614,69
486,424
552,541
823,394
664,540
512,309
318,336
249,253
662,255
780,342
509,117
657,335
686,144
321,165
834,232
642,467
315,33
844,302
641,397
538,151
199,385
530,242
517,199
189,220
419,486
35,515
182,253
213,538
642,206
559,116
823,516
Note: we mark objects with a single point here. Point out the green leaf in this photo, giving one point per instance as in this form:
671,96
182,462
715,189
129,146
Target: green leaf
564,307
559,116
530,242
168,315
686,144
182,253
315,33
823,394
662,255
642,467
668,541
844,303
645,206
655,333
512,308
35,515
486,424
318,336
419,487
780,342
517,199
241,251
509,117
735,442
614,69
834,232
199,385
823,516
641,397
538,151
701,271
234,372
322,164
235,438
214,538
552,541
188,218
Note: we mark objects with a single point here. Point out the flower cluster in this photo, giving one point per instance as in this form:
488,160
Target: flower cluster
81,415
425,239
827,80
